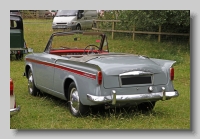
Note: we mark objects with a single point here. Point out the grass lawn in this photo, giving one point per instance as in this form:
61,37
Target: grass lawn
47,112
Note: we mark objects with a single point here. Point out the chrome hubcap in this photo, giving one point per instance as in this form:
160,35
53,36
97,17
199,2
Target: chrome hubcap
74,100
30,83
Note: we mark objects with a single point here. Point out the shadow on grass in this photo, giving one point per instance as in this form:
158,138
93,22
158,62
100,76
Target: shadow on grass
101,112
122,112
16,57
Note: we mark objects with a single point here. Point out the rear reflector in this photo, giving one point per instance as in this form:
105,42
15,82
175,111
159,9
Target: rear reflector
99,77
172,73
11,87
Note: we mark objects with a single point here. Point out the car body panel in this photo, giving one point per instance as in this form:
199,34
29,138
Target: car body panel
133,63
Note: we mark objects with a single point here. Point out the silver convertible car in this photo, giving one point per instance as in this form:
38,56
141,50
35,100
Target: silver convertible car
77,66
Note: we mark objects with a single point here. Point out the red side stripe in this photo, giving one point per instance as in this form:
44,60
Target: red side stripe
82,73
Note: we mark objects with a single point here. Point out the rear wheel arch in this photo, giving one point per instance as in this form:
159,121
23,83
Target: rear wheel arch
67,83
76,108
78,27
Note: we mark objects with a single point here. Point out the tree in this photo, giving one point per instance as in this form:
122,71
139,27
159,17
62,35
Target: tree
150,18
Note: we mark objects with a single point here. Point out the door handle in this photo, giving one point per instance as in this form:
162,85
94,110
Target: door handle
53,59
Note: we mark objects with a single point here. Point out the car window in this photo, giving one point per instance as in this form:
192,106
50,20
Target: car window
67,12
13,24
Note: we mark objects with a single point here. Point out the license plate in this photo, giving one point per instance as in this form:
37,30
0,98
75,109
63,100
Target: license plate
61,26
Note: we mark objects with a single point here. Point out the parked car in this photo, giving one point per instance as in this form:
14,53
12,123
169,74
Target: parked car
13,108
77,67
47,13
18,45
74,19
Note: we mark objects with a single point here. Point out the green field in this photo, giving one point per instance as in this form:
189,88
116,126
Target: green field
47,112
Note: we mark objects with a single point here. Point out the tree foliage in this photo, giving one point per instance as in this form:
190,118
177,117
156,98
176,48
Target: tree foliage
150,18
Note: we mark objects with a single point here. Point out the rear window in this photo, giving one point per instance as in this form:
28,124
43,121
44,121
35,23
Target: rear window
16,22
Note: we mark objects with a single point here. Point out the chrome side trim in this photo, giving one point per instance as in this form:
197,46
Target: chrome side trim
138,97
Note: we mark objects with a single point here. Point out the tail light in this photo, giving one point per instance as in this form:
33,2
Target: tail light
99,77
172,73
11,87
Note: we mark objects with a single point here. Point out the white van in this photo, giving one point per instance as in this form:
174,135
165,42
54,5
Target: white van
74,19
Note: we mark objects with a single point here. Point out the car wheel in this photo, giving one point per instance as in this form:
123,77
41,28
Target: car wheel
78,27
19,56
75,106
31,85
146,106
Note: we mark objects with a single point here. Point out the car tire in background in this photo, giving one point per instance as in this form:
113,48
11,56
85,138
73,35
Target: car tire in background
19,56
78,27
31,84
75,106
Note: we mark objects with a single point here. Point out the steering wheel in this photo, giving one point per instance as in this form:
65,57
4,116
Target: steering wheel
91,49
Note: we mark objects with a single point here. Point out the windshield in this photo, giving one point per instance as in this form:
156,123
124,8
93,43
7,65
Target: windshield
75,41
67,13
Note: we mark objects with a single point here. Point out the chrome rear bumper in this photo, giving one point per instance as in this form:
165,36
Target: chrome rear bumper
14,111
135,97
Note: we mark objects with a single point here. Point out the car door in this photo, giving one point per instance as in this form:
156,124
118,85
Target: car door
44,71
89,16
